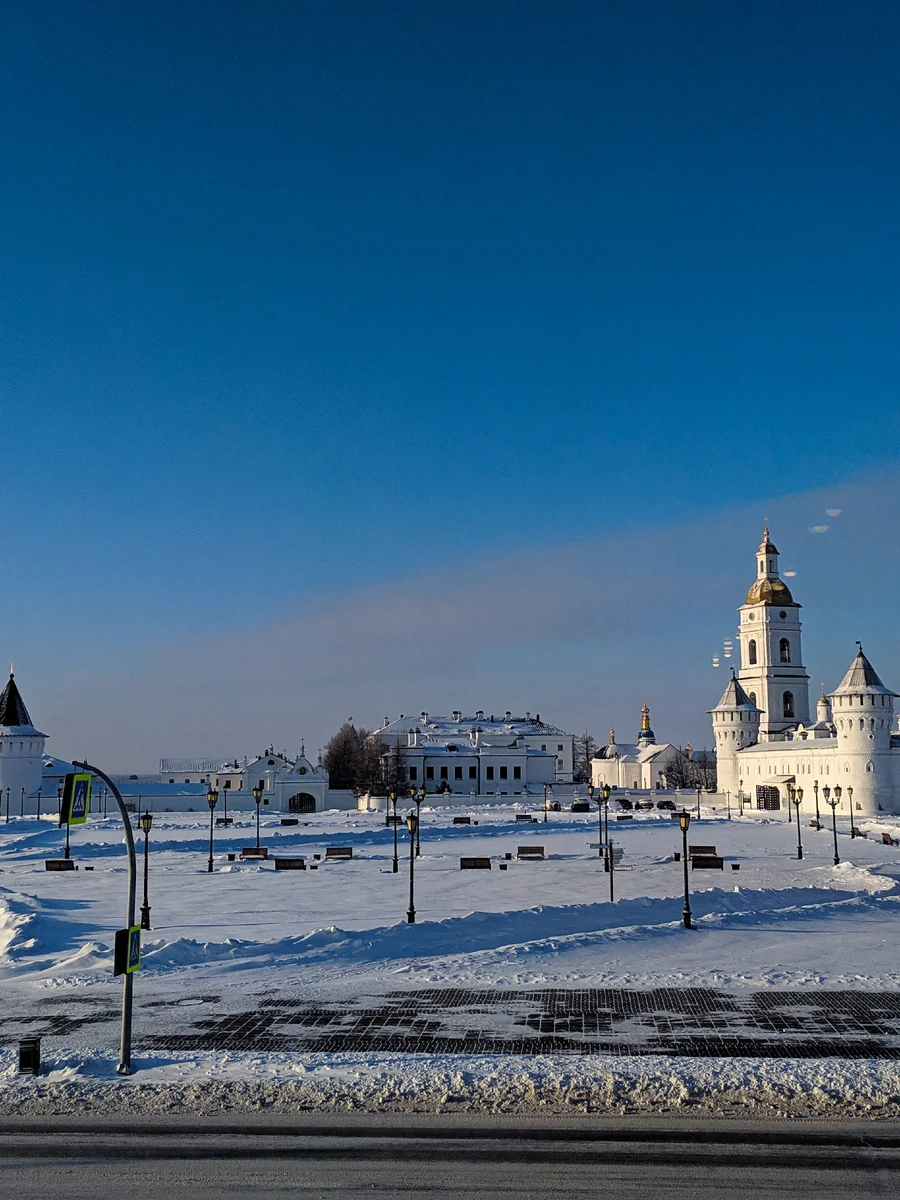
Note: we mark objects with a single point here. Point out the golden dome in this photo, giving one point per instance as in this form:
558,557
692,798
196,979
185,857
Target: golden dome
769,591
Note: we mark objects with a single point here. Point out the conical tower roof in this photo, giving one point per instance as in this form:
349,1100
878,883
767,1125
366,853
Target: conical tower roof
12,706
862,677
734,696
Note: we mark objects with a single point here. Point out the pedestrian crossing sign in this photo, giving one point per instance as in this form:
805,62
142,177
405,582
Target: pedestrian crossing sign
127,957
76,799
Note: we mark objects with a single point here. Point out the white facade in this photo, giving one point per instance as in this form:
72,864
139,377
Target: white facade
21,752
496,756
764,738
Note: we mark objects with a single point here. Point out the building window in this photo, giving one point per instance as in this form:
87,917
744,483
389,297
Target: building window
414,772
228,783
443,772
784,650
473,772
171,781
787,702
429,772
753,699
751,651
489,773
504,774
517,772
544,748
457,772
559,747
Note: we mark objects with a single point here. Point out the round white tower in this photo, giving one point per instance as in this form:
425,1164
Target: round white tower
21,751
863,712
736,721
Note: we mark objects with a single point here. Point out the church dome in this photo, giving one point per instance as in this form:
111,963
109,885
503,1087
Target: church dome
769,591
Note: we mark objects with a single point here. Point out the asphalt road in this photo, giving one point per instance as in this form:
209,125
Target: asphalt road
317,1156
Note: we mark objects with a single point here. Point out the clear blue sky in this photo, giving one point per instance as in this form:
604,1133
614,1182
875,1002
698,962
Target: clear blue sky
299,297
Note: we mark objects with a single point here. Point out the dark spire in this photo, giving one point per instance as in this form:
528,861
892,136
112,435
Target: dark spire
12,706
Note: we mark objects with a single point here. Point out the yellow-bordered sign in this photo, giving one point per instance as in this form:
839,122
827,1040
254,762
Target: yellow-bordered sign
128,951
76,799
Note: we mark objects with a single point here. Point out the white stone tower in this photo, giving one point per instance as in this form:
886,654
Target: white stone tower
863,712
772,671
736,722
21,749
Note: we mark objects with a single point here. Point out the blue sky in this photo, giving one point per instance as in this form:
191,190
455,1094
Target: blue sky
302,304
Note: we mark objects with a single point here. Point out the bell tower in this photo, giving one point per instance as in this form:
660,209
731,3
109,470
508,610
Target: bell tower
772,672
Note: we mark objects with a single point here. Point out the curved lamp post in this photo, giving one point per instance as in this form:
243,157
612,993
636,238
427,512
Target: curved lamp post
146,822
797,797
684,820
257,799
212,799
412,824
833,803
396,865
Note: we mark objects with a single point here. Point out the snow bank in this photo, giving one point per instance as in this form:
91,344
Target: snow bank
540,1084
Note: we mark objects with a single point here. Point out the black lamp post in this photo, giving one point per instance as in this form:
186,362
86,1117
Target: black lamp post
684,820
797,797
740,797
698,802
837,795
257,797
791,791
396,865
611,867
599,818
105,798
146,822
545,802
59,788
605,792
22,804
850,807
418,797
40,789
7,801
212,799
816,794
833,802
412,824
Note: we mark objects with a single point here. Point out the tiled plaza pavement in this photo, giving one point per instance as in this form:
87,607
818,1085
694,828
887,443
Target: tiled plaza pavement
690,1022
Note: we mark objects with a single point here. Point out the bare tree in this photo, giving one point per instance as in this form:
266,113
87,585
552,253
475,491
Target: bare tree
584,747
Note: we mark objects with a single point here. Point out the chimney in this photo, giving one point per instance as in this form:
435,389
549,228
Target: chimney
387,721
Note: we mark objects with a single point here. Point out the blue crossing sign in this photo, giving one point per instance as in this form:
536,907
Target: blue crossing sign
76,799
127,956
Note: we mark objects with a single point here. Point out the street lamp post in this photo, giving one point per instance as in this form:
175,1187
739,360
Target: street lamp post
600,844
7,801
790,792
684,820
418,798
545,803
146,822
797,797
816,794
612,870
740,797
850,807
40,789
837,795
698,802
212,799
412,824
257,799
833,803
22,804
605,792
396,866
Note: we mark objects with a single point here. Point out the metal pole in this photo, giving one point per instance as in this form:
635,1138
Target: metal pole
68,853
799,846
257,821
612,870
411,911
40,789
7,805
396,865
210,865
124,1067
816,791
837,857
418,826
22,804
145,908
600,827
545,803
686,912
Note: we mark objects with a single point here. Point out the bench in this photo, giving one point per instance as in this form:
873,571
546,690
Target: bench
624,816
534,853
462,820
889,841
706,862
703,851
290,864
60,864
393,819
857,832
290,820
580,806
527,818
338,853
475,864
255,852
224,821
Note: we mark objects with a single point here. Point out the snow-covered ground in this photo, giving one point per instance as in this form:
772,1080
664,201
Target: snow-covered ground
341,930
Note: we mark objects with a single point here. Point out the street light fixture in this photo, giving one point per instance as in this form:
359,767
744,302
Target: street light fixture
412,824
257,798
850,807
833,802
146,822
600,844
684,820
605,792
396,866
212,799
546,786
40,789
417,797
698,801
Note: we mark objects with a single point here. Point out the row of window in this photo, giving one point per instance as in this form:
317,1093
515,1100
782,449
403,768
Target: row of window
784,651
21,748
458,773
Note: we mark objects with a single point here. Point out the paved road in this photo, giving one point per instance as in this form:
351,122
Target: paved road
314,1156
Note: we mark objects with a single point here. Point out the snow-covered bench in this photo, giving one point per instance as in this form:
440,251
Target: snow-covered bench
255,852
462,820
707,862
290,864
889,841
526,819
707,851
475,864
338,853
534,853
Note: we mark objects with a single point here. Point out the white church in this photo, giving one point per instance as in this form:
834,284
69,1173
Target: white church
765,740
